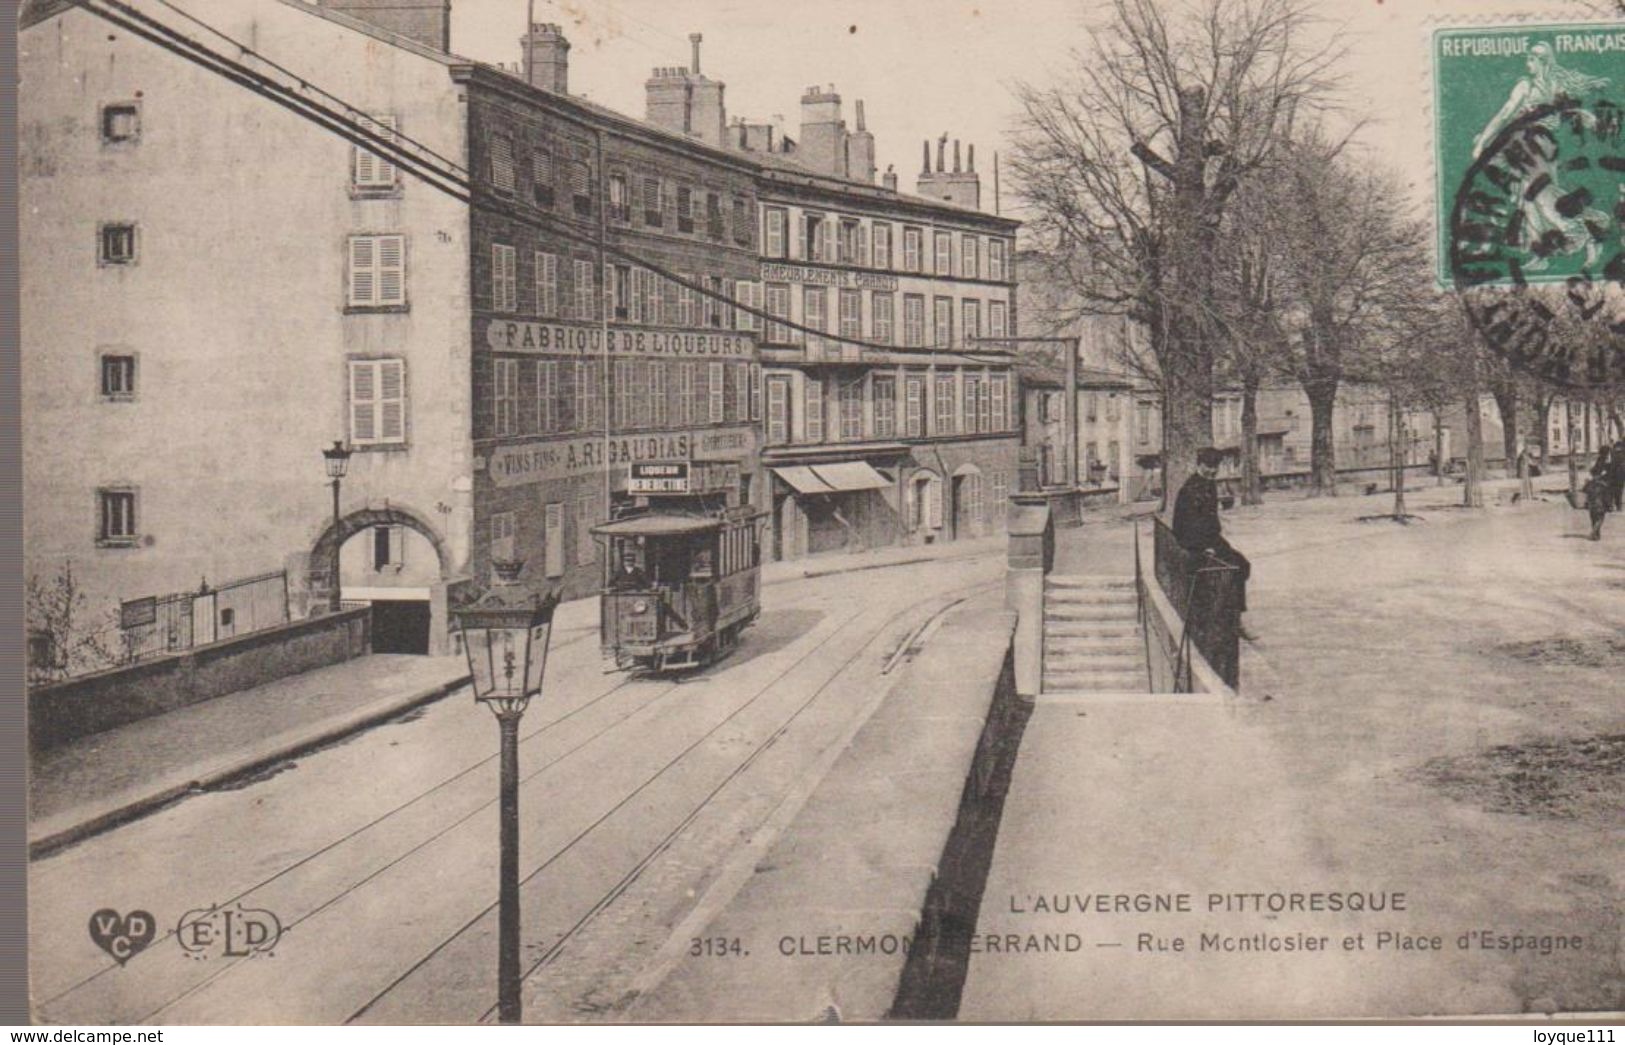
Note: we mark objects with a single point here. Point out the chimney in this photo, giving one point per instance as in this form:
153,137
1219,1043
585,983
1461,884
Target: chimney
961,186
889,179
925,164
822,143
427,22
546,58
860,151
680,99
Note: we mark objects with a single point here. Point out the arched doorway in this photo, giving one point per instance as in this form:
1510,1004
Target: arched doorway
966,500
394,561
923,507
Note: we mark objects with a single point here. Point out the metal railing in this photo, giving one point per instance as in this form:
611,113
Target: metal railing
1206,593
179,621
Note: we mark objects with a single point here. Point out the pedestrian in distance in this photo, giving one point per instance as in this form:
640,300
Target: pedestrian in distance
1616,473
1599,491
1196,524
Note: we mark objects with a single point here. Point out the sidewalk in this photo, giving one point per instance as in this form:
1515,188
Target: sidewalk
105,779
1444,725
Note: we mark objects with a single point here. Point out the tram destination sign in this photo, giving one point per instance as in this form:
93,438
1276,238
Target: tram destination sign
658,477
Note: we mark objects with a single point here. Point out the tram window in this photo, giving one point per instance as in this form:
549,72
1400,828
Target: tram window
702,563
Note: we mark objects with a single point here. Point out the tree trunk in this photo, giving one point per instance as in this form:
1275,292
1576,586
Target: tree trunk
1396,456
1438,448
1505,391
1252,482
1543,417
1322,453
1573,457
1473,492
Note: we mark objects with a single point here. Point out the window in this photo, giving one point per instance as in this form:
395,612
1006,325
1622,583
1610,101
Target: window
118,377
553,546
778,410
377,271
619,397
911,249
755,392
641,293
581,187
370,172
502,167
685,302
882,238
1001,498
1091,409
815,247
116,517
914,320
620,208
714,306
914,406
121,122
1143,412
1113,407
885,396
541,177
116,243
717,377
377,401
814,308
505,391
880,315
774,236
968,267
547,391
657,393
586,307
1000,418
850,408
690,395
973,389
713,215
849,246
504,278
620,276
851,305
984,405
654,205
685,209
995,259
995,319
388,548
815,409
970,312
502,537
742,391
586,513
586,397
942,330
945,405
749,296
945,254
638,408
742,223
778,304
547,285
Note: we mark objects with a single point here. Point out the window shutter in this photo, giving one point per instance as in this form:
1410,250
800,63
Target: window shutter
363,271
391,270
933,508
371,169
363,398
392,400
553,549
397,546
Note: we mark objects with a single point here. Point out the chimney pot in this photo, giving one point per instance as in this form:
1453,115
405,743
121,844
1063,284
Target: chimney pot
695,38
970,159
956,155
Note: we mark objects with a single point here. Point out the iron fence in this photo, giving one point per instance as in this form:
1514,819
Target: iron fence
1207,594
161,624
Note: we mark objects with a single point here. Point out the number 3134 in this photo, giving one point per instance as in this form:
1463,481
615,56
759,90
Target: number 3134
716,947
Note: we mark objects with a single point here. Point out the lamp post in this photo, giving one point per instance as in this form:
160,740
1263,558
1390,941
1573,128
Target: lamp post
337,459
505,636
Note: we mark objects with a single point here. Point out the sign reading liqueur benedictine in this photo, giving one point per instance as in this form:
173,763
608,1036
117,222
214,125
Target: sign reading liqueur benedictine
563,458
582,340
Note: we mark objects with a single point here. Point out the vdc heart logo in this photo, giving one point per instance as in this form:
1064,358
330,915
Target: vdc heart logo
122,935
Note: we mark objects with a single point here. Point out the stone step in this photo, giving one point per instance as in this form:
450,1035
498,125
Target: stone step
1118,631
1094,681
1066,660
1072,650
1088,597
1117,614
1058,580
1134,696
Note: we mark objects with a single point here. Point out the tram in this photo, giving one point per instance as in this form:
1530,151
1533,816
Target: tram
679,588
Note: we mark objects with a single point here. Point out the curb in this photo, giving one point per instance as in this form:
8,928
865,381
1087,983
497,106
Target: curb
126,810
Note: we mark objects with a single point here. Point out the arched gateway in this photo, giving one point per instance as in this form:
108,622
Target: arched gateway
401,614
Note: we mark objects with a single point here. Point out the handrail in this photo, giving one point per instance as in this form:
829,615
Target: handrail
1140,614
1184,653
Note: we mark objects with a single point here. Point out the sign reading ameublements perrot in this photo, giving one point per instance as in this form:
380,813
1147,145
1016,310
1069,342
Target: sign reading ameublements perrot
579,340
773,272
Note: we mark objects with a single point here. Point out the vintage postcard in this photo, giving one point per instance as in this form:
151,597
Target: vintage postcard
710,511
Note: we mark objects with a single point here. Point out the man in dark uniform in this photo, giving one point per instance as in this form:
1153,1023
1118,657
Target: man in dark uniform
1616,474
1196,521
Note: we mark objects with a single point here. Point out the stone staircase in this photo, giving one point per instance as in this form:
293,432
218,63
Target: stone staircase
1092,639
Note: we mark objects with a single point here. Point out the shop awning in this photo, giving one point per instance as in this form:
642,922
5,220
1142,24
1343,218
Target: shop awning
841,477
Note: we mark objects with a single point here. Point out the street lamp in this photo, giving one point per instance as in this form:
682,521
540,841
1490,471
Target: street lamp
337,460
505,636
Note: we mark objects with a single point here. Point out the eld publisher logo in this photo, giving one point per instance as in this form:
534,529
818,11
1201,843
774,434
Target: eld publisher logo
228,932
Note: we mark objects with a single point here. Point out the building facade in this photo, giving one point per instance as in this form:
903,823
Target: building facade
589,363
216,289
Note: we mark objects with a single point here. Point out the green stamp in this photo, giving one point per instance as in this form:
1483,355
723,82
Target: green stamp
1530,155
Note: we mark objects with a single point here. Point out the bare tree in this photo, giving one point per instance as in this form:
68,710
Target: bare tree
65,637
1129,168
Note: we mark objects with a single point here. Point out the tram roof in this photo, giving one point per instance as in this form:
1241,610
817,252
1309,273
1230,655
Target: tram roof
658,525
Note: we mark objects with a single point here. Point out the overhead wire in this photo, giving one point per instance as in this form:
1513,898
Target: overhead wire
448,178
